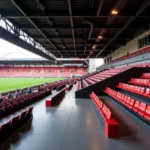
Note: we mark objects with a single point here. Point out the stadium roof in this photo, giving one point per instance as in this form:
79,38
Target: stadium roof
76,28
44,62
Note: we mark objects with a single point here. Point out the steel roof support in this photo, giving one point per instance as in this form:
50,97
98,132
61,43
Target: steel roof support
72,26
145,4
24,14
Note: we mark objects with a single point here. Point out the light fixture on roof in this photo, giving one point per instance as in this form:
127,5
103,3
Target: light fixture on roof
100,37
91,52
114,12
94,47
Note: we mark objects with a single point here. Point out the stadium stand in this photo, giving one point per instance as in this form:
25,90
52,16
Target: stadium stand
139,52
8,106
139,107
94,55
41,71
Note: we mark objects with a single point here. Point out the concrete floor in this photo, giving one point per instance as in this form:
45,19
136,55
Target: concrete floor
72,125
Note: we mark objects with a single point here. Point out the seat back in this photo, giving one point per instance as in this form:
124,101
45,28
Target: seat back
147,113
136,106
142,108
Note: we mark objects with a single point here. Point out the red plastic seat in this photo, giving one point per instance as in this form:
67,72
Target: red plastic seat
128,101
147,92
142,108
136,106
125,99
147,113
108,114
131,104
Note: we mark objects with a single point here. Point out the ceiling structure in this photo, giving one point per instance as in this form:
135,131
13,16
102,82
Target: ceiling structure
78,28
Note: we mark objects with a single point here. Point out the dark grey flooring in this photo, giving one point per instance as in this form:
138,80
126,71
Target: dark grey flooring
72,125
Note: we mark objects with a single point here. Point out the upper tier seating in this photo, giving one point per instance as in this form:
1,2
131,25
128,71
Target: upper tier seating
139,52
40,71
98,76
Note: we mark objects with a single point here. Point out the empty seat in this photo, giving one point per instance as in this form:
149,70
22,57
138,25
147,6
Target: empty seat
147,93
4,131
128,101
108,114
147,113
136,106
142,108
131,104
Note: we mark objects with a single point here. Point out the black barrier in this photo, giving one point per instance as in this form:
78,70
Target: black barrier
57,97
61,87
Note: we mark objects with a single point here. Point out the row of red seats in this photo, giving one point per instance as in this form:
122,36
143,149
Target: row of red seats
9,106
15,123
135,89
90,81
94,79
144,82
139,107
85,83
146,75
111,125
103,109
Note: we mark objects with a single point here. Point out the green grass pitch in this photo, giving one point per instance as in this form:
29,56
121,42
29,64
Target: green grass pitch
8,84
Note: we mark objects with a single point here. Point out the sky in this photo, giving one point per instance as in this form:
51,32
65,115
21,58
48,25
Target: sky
9,50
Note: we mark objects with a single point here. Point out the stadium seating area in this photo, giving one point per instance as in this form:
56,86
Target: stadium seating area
8,106
139,52
99,76
64,72
137,106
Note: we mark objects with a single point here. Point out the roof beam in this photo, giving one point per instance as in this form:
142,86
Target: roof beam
71,22
82,27
77,37
8,15
145,4
41,32
100,8
89,44
78,50
8,36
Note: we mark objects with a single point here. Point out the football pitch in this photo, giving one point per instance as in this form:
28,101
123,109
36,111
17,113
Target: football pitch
8,84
